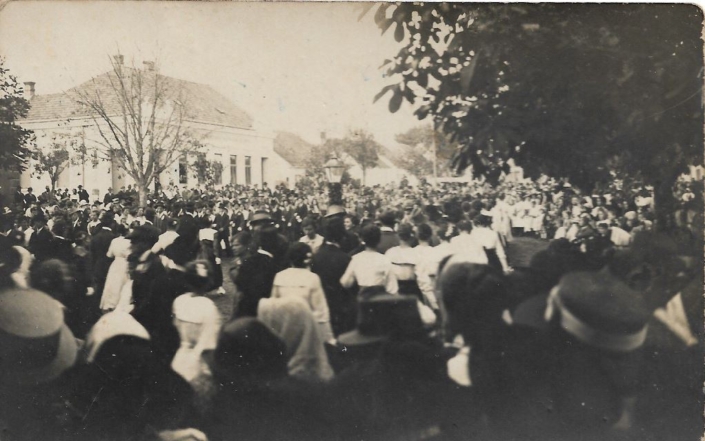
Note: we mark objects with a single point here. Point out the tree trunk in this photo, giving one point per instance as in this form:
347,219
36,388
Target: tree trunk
142,190
364,175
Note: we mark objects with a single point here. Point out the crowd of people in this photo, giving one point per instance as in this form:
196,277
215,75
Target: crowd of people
394,313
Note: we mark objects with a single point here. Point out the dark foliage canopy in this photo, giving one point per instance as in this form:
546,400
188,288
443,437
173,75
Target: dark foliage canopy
15,141
579,91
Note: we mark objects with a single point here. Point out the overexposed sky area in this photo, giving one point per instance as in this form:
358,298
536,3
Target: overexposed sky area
299,67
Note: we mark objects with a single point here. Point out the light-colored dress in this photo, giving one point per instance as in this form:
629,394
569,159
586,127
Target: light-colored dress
117,274
302,283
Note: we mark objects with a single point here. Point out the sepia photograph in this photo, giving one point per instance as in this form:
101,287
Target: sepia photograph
351,221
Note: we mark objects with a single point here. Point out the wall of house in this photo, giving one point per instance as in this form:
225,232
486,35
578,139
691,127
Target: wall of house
221,143
284,172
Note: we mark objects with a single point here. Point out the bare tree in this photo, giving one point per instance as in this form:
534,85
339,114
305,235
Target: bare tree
141,120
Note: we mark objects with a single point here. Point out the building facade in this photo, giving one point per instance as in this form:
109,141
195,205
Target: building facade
227,132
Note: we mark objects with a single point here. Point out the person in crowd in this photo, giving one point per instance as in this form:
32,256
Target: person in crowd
255,277
490,241
292,320
118,274
40,242
369,267
389,237
298,281
330,264
211,252
404,259
311,236
250,372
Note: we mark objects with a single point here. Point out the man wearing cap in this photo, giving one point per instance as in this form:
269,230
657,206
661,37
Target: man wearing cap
350,243
40,241
109,196
83,194
389,236
261,219
222,222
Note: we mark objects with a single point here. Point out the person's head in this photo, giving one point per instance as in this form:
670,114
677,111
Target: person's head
603,228
348,222
309,227
37,346
465,226
424,232
39,221
29,190
300,255
266,237
653,267
388,219
59,228
484,219
473,299
334,230
405,233
371,236
248,353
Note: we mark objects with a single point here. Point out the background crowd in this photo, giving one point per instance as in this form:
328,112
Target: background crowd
394,313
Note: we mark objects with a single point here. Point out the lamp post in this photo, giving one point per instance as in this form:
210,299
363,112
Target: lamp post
334,173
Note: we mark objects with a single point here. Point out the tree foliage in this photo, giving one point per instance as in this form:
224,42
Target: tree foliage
208,172
581,91
362,147
15,141
141,118
423,142
54,158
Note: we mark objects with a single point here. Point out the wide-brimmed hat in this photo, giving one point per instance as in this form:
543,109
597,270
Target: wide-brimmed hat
334,209
260,217
35,343
382,316
600,310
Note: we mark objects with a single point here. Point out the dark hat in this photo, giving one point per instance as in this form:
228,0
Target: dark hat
335,209
384,315
261,216
39,217
600,310
144,235
36,344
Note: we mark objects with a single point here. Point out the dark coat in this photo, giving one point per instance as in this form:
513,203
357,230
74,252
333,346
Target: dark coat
330,263
254,281
100,243
389,239
40,244
188,226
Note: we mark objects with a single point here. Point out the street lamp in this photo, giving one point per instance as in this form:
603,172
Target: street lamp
334,172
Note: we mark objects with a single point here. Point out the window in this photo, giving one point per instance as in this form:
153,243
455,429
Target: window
218,171
233,169
264,170
183,170
248,170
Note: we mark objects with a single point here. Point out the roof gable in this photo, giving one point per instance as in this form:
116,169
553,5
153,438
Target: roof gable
292,148
203,103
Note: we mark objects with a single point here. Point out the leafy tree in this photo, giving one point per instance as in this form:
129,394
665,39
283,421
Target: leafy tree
362,147
424,142
207,172
579,91
140,117
15,141
55,157
415,162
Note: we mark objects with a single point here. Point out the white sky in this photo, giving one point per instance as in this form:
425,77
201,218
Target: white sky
300,67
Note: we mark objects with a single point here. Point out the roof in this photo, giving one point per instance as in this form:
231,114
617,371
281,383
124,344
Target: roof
203,103
292,148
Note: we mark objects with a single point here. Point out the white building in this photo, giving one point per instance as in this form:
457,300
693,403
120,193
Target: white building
246,154
289,161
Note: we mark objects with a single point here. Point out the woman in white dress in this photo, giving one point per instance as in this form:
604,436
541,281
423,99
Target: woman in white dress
118,274
490,241
299,281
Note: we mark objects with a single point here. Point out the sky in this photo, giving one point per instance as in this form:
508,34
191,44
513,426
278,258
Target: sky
299,67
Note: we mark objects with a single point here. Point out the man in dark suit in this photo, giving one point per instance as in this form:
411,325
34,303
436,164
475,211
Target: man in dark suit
100,242
19,197
149,222
83,194
29,198
109,196
254,278
330,263
40,241
188,225
222,222
349,243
